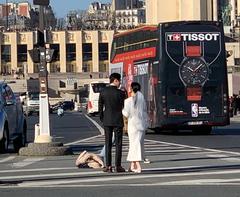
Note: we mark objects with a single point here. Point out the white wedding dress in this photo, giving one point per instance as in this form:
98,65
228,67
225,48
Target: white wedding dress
137,124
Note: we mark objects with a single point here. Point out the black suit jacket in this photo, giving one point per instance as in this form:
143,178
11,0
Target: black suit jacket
111,101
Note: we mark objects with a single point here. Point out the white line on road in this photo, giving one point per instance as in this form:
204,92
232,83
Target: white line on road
26,162
200,182
49,175
37,169
83,140
7,159
121,178
101,130
196,147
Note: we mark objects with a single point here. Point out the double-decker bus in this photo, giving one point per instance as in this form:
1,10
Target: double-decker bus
181,67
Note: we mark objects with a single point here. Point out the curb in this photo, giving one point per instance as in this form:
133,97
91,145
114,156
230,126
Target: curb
45,149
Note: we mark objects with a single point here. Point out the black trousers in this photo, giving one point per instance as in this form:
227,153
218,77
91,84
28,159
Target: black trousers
118,131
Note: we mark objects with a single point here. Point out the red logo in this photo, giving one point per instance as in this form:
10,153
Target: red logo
176,37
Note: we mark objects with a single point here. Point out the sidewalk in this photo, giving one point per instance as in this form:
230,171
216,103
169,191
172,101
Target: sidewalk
235,118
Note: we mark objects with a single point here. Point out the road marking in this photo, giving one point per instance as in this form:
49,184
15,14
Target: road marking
37,169
101,130
216,156
26,162
196,147
201,182
21,177
121,178
231,159
83,140
7,159
171,151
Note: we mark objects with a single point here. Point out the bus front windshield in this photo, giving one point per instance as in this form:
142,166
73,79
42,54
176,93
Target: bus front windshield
98,87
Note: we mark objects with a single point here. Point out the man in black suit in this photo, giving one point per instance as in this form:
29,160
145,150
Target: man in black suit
111,101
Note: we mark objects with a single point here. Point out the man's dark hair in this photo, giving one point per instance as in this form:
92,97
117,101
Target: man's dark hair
135,87
114,76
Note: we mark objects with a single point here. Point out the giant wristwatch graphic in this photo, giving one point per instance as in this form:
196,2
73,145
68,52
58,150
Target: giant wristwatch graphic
193,71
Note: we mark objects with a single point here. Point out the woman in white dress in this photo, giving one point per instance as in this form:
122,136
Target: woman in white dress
136,111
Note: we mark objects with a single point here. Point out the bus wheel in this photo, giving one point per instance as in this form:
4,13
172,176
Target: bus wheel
174,131
205,130
157,130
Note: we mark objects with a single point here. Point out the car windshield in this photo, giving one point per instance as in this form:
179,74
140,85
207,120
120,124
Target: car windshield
34,96
98,87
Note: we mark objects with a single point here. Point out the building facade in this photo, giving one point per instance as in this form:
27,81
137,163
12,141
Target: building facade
130,18
75,51
158,11
126,4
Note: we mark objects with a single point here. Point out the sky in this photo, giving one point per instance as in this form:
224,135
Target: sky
61,7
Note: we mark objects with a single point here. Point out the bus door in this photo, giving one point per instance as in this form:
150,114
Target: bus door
140,75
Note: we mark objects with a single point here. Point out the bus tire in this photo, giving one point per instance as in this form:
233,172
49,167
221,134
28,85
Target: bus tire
157,130
205,130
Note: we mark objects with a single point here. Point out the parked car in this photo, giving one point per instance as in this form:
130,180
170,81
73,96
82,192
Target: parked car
13,125
68,105
32,103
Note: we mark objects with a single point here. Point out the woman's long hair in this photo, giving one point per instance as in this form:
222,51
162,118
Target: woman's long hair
138,100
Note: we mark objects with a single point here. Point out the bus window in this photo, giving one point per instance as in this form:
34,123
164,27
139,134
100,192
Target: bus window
98,87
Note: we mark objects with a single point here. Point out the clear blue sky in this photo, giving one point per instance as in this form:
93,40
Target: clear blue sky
61,7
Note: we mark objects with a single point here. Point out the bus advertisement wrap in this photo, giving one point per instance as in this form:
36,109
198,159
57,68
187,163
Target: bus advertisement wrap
181,67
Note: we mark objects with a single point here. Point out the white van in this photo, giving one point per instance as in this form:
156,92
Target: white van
94,89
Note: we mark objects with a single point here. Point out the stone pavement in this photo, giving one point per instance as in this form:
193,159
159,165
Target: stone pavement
235,118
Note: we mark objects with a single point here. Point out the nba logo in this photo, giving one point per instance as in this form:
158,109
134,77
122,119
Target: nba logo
194,110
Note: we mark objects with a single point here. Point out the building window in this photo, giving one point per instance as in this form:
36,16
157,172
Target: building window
87,57
5,59
71,68
103,66
22,53
237,61
86,67
87,52
55,64
71,52
103,57
54,68
103,51
56,53
6,53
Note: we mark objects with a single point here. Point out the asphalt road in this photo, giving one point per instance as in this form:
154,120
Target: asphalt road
181,164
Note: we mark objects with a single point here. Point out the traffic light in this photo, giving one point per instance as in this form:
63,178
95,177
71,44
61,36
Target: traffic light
35,55
49,55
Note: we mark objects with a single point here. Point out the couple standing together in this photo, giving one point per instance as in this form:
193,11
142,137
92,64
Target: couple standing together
113,105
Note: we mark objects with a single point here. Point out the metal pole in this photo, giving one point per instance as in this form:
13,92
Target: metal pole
41,18
6,14
44,126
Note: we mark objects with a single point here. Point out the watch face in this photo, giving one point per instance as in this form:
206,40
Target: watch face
194,71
